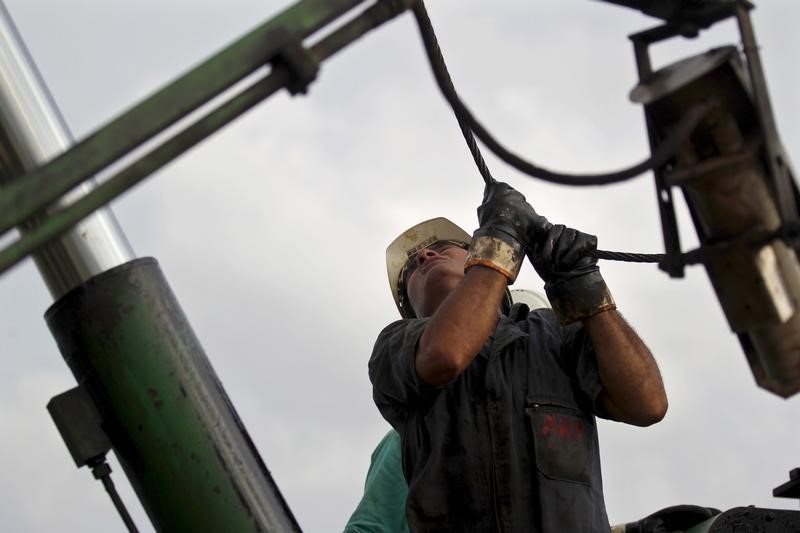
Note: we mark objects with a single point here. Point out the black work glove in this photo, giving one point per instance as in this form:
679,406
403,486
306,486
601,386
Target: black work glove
506,222
506,214
564,259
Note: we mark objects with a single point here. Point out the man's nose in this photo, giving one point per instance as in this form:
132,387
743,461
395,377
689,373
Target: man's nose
424,255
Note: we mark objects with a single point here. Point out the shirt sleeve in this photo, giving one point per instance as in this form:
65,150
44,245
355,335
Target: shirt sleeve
394,378
383,506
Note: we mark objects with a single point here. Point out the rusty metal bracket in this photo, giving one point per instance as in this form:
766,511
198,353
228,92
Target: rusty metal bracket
788,233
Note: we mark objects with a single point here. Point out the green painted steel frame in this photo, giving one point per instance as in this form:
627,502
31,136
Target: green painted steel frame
278,41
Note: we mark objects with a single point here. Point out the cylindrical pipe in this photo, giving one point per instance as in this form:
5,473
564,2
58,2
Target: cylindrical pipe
172,426
31,133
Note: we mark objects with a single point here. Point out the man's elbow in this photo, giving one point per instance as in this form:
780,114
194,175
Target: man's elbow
438,368
651,412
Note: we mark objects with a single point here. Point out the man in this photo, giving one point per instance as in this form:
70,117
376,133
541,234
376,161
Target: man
496,413
382,508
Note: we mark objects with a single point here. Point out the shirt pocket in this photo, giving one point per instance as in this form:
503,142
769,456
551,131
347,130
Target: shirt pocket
562,438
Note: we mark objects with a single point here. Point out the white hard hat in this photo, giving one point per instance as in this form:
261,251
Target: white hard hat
533,299
412,241
408,244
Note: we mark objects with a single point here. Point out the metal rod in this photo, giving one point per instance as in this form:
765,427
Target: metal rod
31,133
781,184
671,263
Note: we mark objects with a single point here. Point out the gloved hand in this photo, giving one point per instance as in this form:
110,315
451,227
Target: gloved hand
506,214
506,223
564,259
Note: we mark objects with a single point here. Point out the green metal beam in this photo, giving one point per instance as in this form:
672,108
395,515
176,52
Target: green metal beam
35,191
280,76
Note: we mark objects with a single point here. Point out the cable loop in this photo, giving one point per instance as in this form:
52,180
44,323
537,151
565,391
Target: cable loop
470,128
665,151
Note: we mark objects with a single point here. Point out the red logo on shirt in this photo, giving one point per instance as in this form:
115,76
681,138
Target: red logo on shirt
563,426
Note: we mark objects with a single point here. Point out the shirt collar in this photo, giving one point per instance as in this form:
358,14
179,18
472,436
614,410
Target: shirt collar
506,332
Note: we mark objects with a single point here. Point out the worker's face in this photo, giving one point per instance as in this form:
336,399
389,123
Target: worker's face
432,274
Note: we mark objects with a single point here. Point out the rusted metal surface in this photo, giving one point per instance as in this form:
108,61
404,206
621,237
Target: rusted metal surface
725,177
170,422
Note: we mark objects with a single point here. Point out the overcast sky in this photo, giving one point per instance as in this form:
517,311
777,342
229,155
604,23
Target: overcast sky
272,234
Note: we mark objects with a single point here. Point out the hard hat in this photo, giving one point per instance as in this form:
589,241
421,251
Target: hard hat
409,243
533,299
412,241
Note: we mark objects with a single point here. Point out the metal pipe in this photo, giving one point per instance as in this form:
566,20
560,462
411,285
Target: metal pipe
171,424
32,132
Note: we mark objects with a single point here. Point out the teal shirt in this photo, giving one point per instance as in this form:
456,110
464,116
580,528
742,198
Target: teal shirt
382,509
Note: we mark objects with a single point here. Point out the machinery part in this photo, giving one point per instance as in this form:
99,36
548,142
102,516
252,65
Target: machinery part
80,425
687,13
171,424
693,519
790,489
750,519
726,180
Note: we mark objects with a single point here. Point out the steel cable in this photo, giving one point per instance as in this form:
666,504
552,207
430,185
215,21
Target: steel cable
662,155
468,123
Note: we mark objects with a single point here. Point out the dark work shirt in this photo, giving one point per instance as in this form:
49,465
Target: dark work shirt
511,444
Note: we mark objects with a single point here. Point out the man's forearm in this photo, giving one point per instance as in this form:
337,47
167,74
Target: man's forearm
460,326
633,391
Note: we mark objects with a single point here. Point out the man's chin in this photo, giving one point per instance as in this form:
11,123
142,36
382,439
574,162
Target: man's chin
439,286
